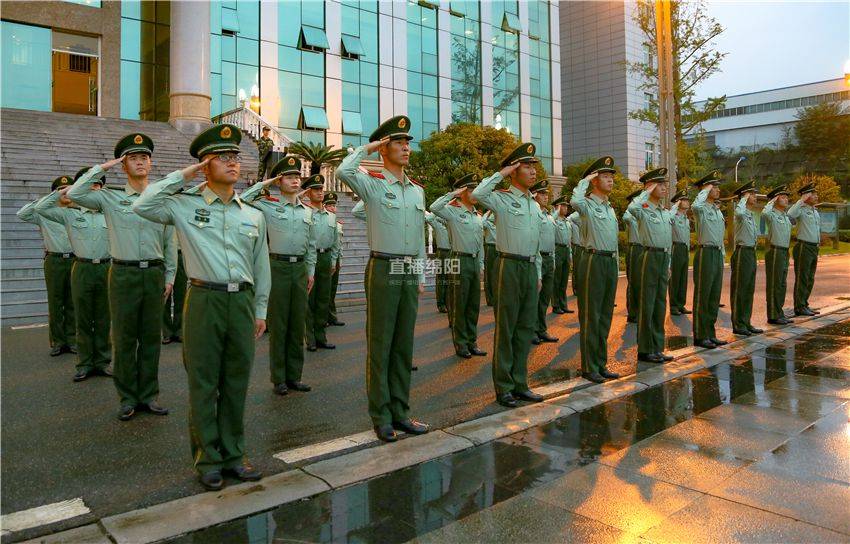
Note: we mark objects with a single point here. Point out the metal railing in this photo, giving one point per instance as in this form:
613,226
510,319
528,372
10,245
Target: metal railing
252,123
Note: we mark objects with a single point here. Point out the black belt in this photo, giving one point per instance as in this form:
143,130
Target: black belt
287,258
599,252
488,244
709,246
323,250
139,264
545,253
742,246
807,243
390,256
232,287
778,247
462,254
633,245
655,249
57,254
562,245
443,248
94,261
512,256
680,243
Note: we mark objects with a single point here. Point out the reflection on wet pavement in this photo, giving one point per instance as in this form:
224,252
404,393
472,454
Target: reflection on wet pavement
713,412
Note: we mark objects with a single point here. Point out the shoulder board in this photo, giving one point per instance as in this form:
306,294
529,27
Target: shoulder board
376,174
181,192
413,181
454,203
272,199
309,211
508,190
115,188
252,205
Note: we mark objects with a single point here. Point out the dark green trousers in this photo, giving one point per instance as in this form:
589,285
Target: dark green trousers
319,300
466,301
708,279
490,264
805,266
172,314
653,281
287,300
597,291
633,261
60,303
91,312
578,251
562,275
743,286
392,302
135,303
218,351
334,288
679,276
776,272
516,296
442,279
262,168
544,297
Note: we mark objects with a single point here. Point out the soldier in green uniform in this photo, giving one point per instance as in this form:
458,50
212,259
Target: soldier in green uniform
265,145
708,260
395,222
743,281
227,261
540,190
88,235
444,247
681,251
577,246
520,273
633,255
144,263
599,267
58,260
466,229
490,257
563,239
172,314
292,253
327,242
330,202
655,234
806,248
776,257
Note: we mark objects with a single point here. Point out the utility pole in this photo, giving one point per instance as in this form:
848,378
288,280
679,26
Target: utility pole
666,99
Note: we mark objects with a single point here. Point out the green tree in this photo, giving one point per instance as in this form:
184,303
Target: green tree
828,190
823,131
318,155
623,186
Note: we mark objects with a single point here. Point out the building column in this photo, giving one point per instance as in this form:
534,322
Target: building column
190,66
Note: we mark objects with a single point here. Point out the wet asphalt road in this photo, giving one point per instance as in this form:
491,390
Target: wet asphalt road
62,440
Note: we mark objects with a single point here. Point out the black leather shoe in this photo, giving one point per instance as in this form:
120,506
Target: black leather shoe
718,342
663,357
414,368
474,350
167,340
708,344
442,309
126,412
814,311
244,472
629,320
546,337
780,321
754,330
675,312
742,332
507,400
594,377
686,311
280,389
568,311
57,351
462,352
609,375
325,345
212,481
536,341
722,305
104,371
805,312
311,347
411,426
385,433
649,358
528,395
81,375
178,339
154,408
298,386
557,311
70,349
336,323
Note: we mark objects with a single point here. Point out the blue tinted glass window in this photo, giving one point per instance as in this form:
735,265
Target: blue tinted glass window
314,118
26,67
351,123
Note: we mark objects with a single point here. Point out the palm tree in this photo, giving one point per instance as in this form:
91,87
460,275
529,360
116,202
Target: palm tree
318,155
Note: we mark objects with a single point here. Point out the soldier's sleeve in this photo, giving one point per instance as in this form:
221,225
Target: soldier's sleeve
484,192
339,234
81,191
348,172
481,250
438,207
336,245
47,208
169,250
312,257
628,218
674,209
635,208
28,213
154,205
262,271
579,199
767,212
700,201
359,210
252,193
795,210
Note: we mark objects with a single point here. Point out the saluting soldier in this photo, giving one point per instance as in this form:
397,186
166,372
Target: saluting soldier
292,254
87,233
743,282
776,256
490,257
540,190
58,260
633,256
681,251
599,267
327,242
330,202
518,219
444,247
227,261
144,263
577,245
265,145
395,222
655,234
806,249
466,232
563,239
708,260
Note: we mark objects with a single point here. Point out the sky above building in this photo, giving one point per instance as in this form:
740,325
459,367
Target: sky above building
778,44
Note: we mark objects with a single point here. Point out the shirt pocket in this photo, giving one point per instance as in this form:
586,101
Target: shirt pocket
515,218
390,210
126,218
249,231
279,222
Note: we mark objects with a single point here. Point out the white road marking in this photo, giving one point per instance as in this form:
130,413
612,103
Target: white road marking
43,515
33,326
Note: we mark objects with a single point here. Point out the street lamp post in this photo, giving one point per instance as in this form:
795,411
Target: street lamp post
736,169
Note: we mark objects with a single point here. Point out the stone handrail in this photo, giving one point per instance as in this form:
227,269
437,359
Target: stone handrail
252,123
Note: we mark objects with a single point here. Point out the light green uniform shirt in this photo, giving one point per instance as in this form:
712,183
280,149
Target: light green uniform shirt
517,219
563,229
778,226
681,226
131,238
576,222
709,221
289,225
395,209
465,225
54,234
221,242
442,238
324,232
547,234
489,227
86,228
359,211
599,222
655,224
745,225
808,221
632,235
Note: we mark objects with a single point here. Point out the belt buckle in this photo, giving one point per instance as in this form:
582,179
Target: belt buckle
95,261
143,264
66,255
232,287
532,258
293,259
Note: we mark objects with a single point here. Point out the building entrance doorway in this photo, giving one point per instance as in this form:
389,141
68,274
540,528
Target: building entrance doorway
76,68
